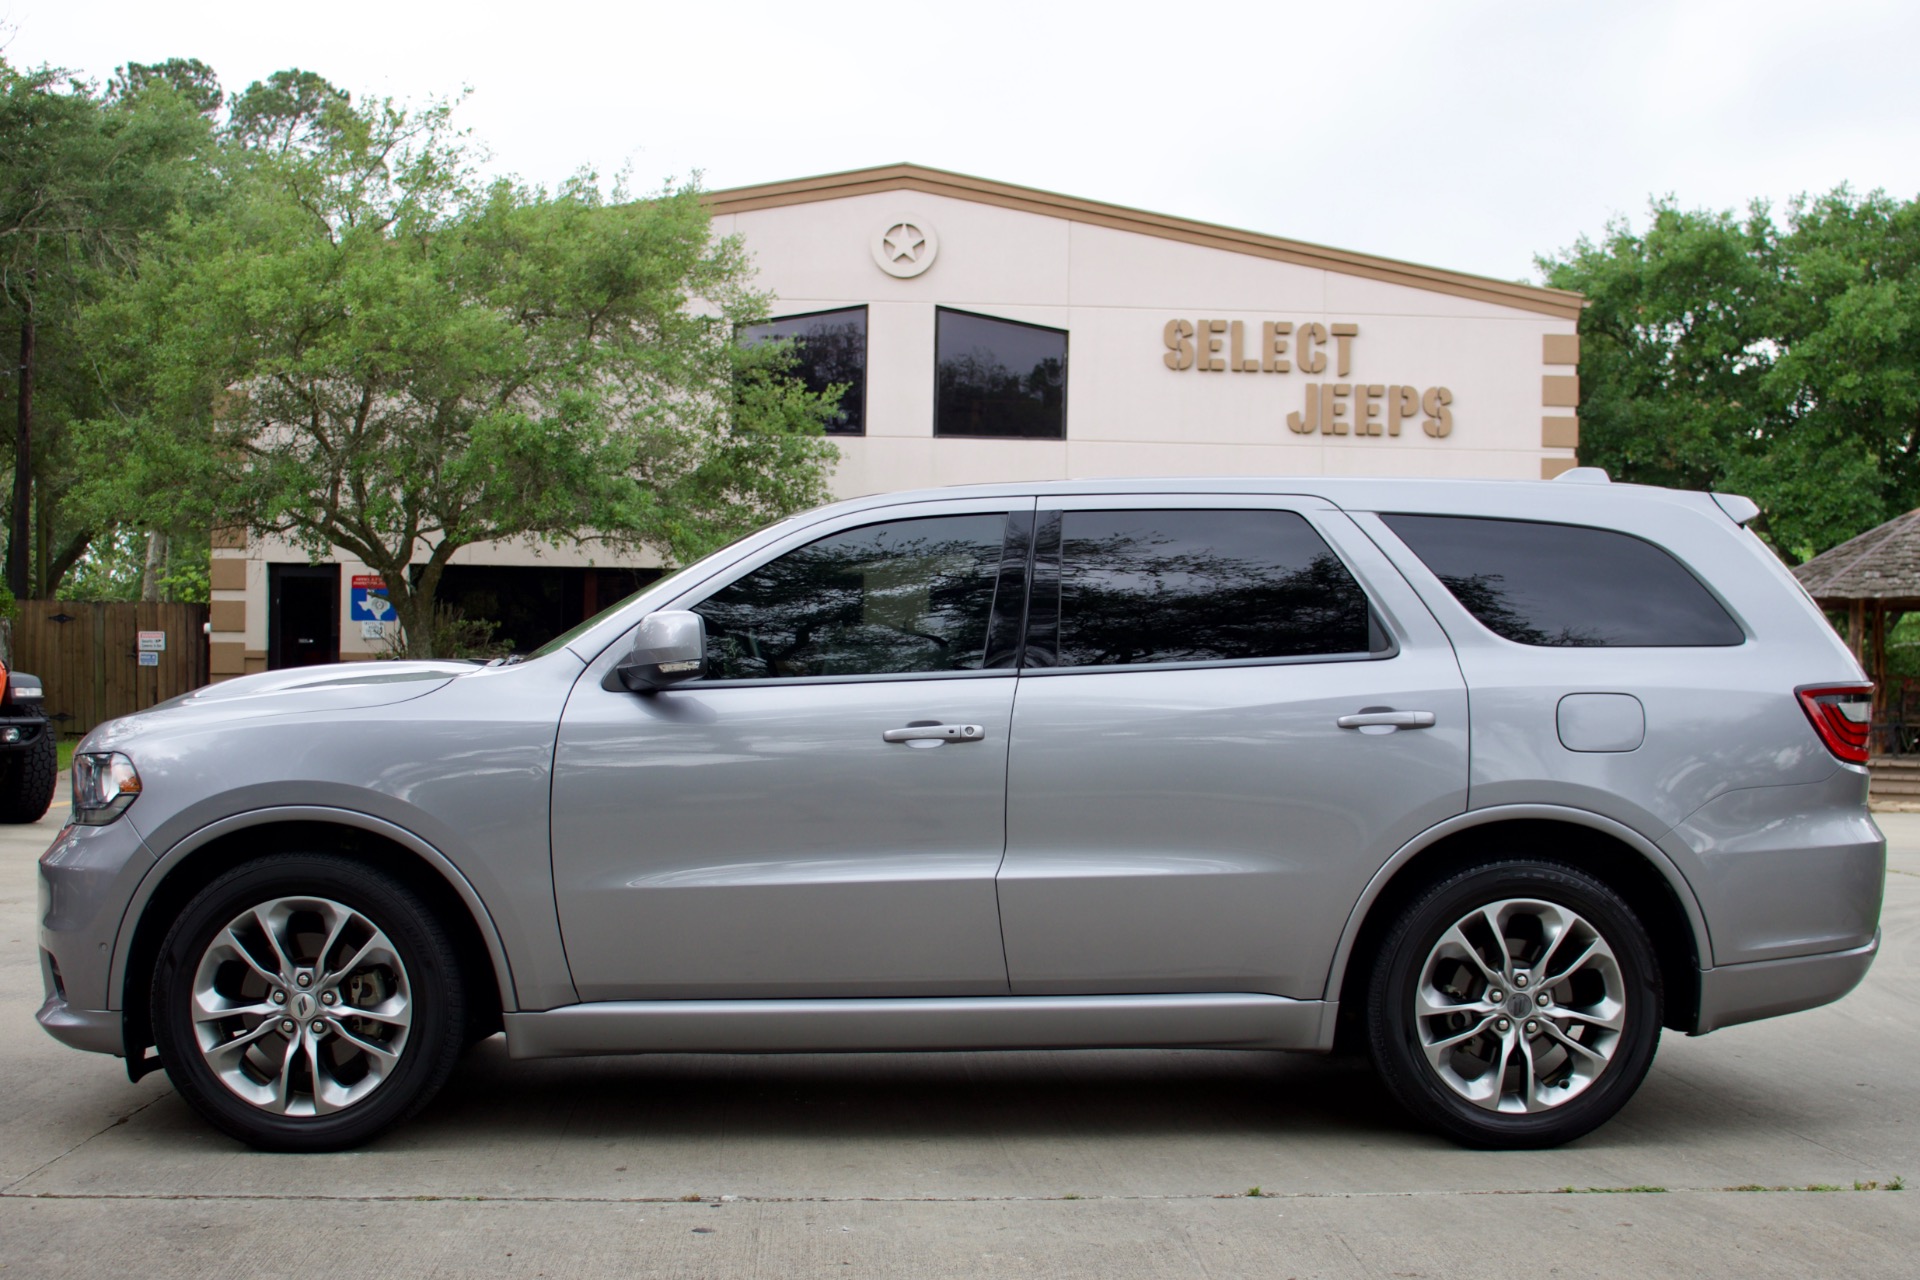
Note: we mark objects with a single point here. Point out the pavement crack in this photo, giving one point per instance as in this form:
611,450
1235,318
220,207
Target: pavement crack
742,1201
50,1161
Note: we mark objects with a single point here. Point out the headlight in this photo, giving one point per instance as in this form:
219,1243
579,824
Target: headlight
104,784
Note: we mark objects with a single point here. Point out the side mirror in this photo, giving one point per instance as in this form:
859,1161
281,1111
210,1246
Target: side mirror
670,647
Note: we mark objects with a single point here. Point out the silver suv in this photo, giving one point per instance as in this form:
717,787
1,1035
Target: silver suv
1493,779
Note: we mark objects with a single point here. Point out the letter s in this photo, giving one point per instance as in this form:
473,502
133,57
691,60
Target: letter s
1178,335
1439,421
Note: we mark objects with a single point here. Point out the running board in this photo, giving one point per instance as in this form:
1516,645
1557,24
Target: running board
1227,1021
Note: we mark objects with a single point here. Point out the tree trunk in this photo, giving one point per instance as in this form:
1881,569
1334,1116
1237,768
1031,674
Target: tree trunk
42,544
416,619
62,563
412,591
155,564
20,539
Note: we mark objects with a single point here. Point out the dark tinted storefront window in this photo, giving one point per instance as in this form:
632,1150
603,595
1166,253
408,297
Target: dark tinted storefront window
528,606
830,349
1198,586
910,595
998,378
1567,585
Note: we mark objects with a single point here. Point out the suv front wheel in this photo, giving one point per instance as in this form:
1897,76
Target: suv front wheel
28,779
1516,1004
305,1002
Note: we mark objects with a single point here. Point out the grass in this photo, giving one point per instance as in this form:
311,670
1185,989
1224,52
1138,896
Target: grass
1897,1184
66,753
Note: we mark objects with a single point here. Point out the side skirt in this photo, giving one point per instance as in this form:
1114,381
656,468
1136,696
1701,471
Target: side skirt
1223,1021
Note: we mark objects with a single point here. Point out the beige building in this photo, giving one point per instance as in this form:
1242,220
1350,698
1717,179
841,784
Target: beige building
992,332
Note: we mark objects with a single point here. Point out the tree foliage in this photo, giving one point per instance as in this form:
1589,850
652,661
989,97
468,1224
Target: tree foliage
360,346
88,178
1779,358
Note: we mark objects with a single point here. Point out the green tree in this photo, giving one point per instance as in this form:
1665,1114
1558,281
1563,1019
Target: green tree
193,80
362,348
1780,359
87,179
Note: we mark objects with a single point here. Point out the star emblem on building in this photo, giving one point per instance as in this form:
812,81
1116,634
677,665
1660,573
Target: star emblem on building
903,241
905,245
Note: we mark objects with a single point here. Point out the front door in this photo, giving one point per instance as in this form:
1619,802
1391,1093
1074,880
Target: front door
796,822
1221,735
303,614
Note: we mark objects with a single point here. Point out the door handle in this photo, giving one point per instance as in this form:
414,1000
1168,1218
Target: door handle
1387,719
936,733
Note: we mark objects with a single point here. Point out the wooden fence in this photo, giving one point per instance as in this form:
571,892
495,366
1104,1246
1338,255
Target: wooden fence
88,656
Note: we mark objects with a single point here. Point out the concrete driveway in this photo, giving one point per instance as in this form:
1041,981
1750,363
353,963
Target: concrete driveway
1758,1151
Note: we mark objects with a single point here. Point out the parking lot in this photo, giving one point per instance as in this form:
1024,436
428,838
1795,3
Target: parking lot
1765,1150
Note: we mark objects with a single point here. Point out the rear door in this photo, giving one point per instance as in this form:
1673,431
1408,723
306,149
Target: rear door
1232,710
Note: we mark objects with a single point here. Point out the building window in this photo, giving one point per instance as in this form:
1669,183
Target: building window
830,349
998,378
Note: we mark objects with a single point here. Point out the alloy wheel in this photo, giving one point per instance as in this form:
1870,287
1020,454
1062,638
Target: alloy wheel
1520,1006
301,1006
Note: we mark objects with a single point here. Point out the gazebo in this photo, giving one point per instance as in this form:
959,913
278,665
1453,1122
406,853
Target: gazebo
1872,579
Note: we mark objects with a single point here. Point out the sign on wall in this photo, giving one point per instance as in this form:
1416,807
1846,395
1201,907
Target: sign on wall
1333,408
368,601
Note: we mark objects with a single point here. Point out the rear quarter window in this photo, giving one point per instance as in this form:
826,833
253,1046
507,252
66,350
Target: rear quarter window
1564,585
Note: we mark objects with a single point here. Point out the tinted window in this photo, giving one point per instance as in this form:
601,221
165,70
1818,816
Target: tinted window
911,595
1197,586
1564,584
998,378
830,349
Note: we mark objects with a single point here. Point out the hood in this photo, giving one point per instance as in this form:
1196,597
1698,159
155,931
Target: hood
340,687
342,684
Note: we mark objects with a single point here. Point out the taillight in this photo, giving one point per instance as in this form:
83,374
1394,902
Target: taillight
1842,715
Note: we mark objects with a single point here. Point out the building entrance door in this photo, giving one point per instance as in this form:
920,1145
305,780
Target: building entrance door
303,614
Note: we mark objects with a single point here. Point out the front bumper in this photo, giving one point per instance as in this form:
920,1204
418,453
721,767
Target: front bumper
88,875
21,731
1736,993
94,1030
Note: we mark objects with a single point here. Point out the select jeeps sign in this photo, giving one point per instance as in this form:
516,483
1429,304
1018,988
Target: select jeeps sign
1329,408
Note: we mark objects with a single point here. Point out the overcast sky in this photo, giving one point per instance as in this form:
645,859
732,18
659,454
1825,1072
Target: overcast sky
1468,135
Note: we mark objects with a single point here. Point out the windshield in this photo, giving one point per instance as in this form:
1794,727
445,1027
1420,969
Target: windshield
568,636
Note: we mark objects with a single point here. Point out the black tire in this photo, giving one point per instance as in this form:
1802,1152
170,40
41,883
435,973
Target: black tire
27,780
426,977
1415,941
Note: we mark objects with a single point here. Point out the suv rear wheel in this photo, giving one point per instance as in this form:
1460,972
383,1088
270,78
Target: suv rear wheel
304,1002
1516,1004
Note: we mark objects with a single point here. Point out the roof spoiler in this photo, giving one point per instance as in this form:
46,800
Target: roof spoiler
1740,510
1585,475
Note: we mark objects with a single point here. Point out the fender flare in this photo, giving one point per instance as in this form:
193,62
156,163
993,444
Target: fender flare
1656,856
191,843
